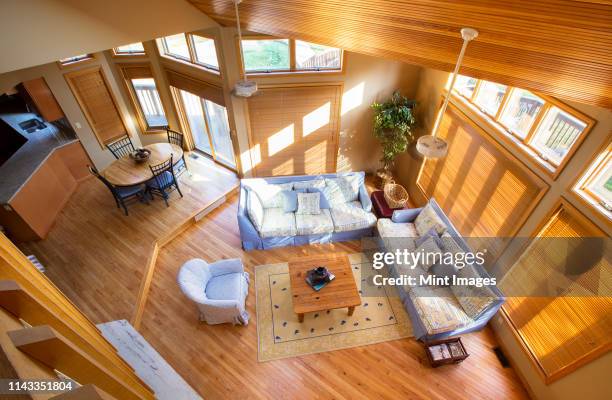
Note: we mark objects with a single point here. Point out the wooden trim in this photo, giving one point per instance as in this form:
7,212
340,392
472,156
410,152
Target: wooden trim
161,241
90,119
581,180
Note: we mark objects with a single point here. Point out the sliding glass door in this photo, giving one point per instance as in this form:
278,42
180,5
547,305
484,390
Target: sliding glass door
210,128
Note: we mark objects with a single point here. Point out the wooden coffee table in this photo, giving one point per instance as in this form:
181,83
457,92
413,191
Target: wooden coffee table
339,293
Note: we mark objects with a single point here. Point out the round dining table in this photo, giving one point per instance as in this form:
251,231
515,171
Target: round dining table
127,172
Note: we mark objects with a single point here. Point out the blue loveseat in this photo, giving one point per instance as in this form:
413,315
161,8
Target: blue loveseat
438,312
265,223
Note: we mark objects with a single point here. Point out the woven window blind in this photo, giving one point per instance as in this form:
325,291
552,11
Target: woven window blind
566,331
195,86
294,129
91,90
485,191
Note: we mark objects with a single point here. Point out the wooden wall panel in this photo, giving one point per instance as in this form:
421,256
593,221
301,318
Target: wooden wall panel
565,332
485,191
557,47
294,129
95,97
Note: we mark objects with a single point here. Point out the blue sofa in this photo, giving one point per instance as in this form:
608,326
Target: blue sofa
440,302
332,230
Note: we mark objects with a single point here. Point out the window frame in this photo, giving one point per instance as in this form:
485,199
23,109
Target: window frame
548,166
116,53
579,188
292,60
127,79
89,57
192,60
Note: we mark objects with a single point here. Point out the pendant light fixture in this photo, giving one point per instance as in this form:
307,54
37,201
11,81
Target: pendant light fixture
431,146
244,87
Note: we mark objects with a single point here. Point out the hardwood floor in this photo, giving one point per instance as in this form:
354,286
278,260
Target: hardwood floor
96,255
220,361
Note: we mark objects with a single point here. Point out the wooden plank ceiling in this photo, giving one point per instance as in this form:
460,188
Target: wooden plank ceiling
557,47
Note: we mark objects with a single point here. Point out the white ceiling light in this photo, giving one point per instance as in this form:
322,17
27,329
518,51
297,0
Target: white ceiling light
431,146
244,87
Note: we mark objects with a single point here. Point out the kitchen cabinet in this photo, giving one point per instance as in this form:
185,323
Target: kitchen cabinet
31,212
39,93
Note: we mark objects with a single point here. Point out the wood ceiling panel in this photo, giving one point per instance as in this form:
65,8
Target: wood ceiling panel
558,47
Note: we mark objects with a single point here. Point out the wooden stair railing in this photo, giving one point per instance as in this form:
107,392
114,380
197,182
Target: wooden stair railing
29,295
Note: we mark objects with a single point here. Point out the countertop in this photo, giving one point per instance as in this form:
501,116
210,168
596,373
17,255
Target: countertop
18,169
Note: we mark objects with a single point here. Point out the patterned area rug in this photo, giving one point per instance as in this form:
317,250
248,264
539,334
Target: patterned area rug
380,318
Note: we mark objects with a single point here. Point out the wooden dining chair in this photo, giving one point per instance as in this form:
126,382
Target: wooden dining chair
164,180
178,139
122,194
121,147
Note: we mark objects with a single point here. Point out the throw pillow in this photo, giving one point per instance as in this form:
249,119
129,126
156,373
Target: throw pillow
473,299
343,189
430,233
290,201
255,209
441,270
427,219
313,183
271,194
308,203
323,200
431,253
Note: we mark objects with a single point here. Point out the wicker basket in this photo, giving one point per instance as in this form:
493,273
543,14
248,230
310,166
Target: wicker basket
395,195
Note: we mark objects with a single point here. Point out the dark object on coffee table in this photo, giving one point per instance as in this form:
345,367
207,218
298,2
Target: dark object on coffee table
317,276
447,351
140,155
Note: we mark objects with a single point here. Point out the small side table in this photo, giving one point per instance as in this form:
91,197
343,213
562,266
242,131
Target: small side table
380,206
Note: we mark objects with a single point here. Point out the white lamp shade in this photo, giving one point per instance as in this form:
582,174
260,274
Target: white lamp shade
432,147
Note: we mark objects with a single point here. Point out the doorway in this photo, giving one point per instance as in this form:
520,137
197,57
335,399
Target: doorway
209,126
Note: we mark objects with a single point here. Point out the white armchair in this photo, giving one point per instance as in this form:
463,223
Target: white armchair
218,289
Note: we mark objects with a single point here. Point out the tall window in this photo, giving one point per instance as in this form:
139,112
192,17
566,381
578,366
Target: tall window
131,49
596,184
192,48
544,128
149,102
269,55
209,127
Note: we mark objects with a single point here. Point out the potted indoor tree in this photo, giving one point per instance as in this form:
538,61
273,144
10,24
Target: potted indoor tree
393,122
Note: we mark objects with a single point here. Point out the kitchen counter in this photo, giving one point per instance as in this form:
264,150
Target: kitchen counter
18,169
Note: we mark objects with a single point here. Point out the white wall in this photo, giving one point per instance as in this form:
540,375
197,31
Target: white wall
36,32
